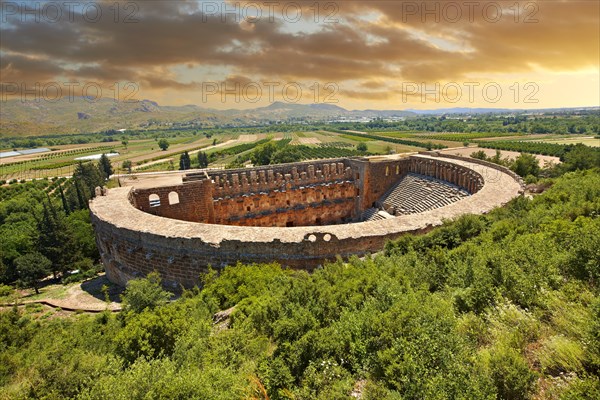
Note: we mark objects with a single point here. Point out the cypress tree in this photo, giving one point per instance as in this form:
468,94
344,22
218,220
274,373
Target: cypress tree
184,161
80,197
53,240
64,200
202,160
105,166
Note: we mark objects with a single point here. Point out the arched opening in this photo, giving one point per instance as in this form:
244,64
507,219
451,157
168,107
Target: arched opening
173,198
154,200
387,171
397,170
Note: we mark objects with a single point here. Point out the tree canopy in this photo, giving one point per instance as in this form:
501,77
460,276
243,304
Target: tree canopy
163,144
32,268
184,161
142,294
105,166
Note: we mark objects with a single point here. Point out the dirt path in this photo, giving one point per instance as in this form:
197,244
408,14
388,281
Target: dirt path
86,296
361,132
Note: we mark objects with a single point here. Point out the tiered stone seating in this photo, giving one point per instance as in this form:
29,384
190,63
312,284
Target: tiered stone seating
374,214
416,193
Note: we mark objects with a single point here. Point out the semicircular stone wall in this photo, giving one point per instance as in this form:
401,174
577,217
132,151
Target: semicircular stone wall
299,215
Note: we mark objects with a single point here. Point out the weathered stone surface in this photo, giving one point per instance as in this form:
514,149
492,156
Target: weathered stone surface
220,219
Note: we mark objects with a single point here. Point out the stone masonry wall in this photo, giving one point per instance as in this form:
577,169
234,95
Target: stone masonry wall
487,169
128,254
376,177
189,202
321,204
267,178
133,242
296,194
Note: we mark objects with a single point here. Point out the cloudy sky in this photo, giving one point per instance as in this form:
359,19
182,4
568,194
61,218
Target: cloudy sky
356,54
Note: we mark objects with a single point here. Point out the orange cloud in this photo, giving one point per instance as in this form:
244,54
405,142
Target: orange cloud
372,42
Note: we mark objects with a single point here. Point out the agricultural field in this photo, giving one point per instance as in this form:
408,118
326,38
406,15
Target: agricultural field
548,149
146,155
587,140
234,147
59,163
543,160
62,160
419,137
462,137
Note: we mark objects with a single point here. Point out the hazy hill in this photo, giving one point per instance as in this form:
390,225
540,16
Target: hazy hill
81,115
30,118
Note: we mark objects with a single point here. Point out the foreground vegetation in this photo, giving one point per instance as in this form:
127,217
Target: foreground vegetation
498,306
45,226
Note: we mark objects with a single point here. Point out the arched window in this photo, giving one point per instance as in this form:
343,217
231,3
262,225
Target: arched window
397,170
173,198
387,171
154,200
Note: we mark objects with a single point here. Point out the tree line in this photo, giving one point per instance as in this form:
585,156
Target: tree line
50,233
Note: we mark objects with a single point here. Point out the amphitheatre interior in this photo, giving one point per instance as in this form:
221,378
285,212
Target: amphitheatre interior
311,193
299,214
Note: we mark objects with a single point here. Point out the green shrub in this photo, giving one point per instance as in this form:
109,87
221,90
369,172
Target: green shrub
5,290
529,179
560,354
510,373
587,388
145,293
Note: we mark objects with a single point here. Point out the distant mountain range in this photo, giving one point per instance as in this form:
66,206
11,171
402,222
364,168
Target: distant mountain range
80,115
461,110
